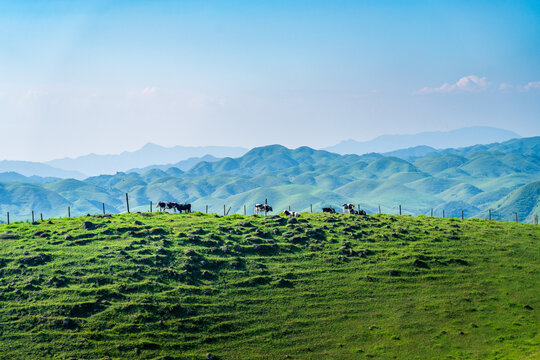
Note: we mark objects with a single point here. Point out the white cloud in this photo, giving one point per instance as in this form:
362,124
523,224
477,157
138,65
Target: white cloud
470,83
149,90
531,85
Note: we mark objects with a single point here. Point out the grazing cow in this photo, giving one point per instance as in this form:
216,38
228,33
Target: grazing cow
291,213
358,212
183,207
172,205
162,205
330,210
348,208
262,208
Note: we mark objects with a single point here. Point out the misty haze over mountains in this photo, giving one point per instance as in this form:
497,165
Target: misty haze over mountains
436,139
149,154
153,156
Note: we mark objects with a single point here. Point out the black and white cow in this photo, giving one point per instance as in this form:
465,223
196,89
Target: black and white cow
162,205
348,208
330,210
291,213
265,208
358,212
168,205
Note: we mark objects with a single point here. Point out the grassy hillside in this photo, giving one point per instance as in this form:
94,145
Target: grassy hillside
524,201
174,286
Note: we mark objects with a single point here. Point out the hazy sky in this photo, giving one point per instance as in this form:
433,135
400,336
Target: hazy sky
108,76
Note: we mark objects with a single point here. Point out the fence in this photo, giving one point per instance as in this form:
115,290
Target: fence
398,210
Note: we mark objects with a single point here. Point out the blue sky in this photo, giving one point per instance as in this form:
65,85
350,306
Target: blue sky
107,76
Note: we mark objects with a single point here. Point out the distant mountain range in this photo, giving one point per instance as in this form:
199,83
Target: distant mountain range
437,139
503,176
153,156
30,168
183,165
150,154
16,177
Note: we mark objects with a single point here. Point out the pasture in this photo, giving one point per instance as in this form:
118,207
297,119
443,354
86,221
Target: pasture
321,286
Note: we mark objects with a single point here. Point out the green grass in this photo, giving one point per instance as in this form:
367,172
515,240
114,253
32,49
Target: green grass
326,287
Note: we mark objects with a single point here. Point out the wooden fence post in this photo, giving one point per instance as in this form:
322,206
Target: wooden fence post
431,212
245,212
8,218
443,213
32,215
379,208
207,209
230,207
103,207
223,210
150,206
127,202
516,218
311,208
41,216
289,207
400,209
69,212
461,214
489,214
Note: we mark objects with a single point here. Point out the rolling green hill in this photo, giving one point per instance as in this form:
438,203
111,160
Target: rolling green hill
472,179
195,286
524,201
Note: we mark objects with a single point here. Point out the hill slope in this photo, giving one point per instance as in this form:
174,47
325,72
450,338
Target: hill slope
322,286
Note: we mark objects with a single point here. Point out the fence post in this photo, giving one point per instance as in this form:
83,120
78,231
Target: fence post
150,206
311,208
245,210
536,219
127,202
207,209
516,218
223,210
443,213
461,214
103,207
400,209
8,217
379,209
69,212
32,215
431,212
289,207
41,216
489,214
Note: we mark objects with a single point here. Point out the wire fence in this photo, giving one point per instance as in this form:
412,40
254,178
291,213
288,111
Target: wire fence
490,214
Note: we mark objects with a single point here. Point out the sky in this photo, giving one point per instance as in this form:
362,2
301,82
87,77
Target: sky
79,77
